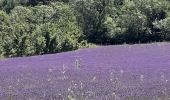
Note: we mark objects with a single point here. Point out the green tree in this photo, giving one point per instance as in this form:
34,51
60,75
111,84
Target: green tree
133,23
92,16
153,10
4,27
42,29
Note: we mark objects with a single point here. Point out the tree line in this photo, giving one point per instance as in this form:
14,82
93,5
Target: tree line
34,27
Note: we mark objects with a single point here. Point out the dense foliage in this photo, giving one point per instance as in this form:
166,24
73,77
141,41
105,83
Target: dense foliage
29,27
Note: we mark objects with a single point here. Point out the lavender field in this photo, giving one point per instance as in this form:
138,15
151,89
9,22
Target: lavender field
123,72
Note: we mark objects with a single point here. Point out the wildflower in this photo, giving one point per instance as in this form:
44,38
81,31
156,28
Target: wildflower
94,79
77,63
141,77
50,70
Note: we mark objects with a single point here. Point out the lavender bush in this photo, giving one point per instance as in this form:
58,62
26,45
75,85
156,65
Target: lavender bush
127,72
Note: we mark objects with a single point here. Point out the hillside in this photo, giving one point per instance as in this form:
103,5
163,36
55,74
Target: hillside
122,72
37,27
